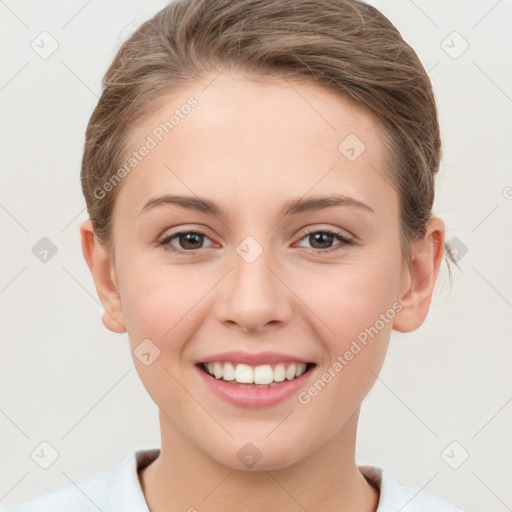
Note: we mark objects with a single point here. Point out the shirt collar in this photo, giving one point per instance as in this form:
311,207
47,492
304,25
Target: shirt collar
125,492
123,485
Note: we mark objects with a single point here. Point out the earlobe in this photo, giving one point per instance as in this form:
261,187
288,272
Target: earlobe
102,269
419,281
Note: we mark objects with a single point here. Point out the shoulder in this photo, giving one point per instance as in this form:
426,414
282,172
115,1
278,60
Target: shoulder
394,496
117,489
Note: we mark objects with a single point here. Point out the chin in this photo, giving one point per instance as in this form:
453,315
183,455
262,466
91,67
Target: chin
258,455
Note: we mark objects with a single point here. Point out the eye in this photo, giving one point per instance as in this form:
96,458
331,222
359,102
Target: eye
192,240
321,240
188,240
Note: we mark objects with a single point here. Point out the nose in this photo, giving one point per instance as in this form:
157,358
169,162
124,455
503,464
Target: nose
254,295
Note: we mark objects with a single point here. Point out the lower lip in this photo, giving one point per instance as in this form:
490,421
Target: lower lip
254,397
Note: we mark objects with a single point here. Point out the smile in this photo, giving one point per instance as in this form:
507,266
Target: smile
265,375
255,380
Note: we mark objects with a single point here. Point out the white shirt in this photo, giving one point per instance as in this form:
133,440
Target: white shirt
118,490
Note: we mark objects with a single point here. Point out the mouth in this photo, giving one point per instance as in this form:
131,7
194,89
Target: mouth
260,376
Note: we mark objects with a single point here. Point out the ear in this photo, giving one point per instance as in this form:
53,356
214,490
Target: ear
103,272
420,277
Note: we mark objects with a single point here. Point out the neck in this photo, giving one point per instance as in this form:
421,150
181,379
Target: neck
185,478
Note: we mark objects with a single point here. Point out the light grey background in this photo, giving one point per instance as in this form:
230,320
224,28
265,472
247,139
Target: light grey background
68,381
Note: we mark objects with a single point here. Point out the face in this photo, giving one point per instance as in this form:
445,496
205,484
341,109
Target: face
264,277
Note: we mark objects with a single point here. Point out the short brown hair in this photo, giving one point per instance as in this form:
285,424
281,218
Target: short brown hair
344,45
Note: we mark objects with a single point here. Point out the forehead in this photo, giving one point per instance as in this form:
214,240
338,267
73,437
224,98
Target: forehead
240,140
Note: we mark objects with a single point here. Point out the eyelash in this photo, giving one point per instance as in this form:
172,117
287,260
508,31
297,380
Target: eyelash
345,241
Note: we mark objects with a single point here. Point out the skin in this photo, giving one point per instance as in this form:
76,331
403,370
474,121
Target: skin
250,147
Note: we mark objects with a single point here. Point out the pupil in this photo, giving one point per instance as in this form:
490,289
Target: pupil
317,237
185,240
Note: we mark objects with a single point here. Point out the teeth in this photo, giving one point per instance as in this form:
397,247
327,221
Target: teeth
259,375
218,370
301,368
229,372
263,374
244,374
279,373
290,372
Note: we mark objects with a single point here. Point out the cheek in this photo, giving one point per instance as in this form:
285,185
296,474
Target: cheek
157,300
353,307
347,299
158,304
360,314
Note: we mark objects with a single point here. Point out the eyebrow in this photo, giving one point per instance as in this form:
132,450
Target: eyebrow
291,207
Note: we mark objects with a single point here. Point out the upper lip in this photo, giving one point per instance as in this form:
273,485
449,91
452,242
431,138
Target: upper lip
260,358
